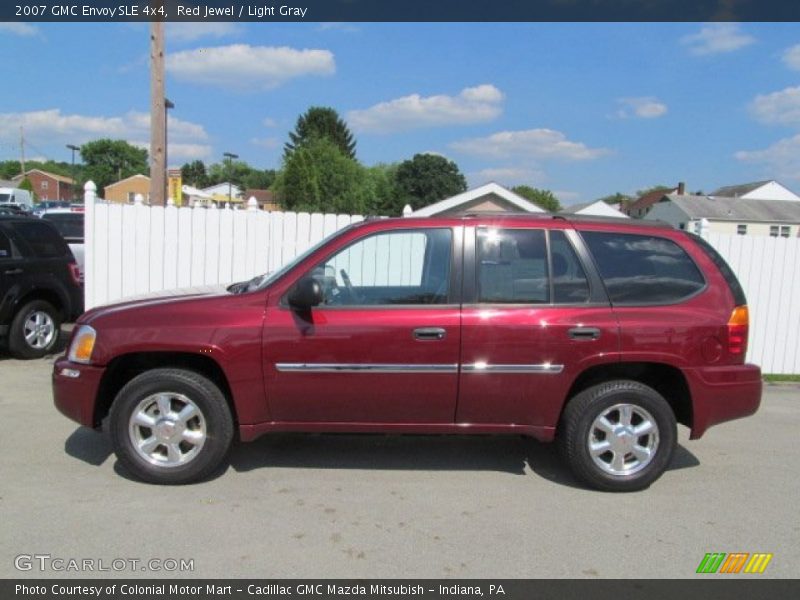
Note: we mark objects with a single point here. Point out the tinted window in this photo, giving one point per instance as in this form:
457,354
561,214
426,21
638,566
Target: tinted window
5,247
727,272
512,266
398,267
641,269
69,225
43,239
570,284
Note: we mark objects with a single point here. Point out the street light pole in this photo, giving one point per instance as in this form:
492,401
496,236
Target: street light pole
230,156
72,170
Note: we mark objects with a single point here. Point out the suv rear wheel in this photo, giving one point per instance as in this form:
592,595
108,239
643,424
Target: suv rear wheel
618,436
171,426
34,330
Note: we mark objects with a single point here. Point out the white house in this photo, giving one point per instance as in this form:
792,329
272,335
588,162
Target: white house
223,190
757,190
491,197
743,216
596,209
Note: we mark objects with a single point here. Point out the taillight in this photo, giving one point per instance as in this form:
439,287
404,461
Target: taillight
75,271
738,326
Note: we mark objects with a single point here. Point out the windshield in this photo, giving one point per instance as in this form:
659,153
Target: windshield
5,198
264,280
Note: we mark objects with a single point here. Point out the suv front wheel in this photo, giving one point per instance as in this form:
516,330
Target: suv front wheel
618,436
171,426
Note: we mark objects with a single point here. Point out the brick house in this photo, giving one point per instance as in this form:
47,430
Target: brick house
48,186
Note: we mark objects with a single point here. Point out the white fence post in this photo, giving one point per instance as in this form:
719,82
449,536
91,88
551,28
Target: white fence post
89,280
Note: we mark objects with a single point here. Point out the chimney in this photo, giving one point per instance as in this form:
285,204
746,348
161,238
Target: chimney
681,188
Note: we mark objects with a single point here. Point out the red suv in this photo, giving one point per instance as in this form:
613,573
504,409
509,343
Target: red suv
599,334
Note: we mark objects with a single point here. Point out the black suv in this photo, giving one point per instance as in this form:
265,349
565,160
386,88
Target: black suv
39,286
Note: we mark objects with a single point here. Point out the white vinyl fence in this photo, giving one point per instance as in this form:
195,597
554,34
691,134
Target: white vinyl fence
133,250
769,271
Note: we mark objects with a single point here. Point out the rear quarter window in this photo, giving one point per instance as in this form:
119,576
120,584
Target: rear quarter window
69,225
642,269
42,238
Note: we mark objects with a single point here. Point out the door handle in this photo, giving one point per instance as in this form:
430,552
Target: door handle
584,333
429,333
12,272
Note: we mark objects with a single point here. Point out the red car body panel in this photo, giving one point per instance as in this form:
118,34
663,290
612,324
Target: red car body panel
250,335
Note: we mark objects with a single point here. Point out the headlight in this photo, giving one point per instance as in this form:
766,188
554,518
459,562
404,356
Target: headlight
80,351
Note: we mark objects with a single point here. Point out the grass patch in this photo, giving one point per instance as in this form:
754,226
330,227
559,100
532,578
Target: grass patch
770,378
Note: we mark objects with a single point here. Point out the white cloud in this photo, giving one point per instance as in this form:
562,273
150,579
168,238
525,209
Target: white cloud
536,144
21,29
186,139
566,197
782,158
472,105
189,32
268,122
178,153
248,67
644,107
791,57
782,108
717,38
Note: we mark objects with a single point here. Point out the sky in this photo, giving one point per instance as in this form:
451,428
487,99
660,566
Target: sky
584,110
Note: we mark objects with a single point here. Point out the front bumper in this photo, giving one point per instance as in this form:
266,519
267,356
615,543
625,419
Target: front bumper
75,388
722,394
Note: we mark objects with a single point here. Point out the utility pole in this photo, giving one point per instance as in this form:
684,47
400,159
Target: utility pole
22,150
73,147
158,117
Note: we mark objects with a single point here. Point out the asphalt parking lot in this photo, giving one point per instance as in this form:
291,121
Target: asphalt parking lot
391,506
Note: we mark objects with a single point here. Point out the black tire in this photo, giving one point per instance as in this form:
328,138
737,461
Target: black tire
578,429
201,459
18,345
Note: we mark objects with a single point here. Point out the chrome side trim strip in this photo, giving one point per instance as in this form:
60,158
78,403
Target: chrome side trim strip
545,368
363,368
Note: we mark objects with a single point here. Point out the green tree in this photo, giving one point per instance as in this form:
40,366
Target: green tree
318,177
259,179
428,178
655,188
384,196
542,198
106,161
26,184
321,122
194,174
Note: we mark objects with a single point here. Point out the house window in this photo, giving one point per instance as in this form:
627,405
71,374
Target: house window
741,229
682,225
785,230
131,196
44,184
773,230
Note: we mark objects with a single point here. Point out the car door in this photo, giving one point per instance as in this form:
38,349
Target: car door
383,346
11,269
535,316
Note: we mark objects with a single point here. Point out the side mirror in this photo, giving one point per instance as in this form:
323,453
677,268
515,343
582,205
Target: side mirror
306,294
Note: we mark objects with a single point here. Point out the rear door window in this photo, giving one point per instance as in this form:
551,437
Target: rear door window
512,266
642,269
43,240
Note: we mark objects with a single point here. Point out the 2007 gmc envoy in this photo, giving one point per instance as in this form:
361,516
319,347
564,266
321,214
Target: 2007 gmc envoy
598,334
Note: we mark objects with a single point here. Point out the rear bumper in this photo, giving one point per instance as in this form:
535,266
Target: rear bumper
722,394
75,389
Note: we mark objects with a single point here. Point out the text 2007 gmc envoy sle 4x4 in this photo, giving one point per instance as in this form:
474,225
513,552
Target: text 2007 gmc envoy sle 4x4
599,335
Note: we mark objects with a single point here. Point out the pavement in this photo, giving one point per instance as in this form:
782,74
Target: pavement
358,506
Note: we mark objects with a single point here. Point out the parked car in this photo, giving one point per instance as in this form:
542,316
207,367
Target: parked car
39,287
598,334
70,225
16,209
17,196
41,207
